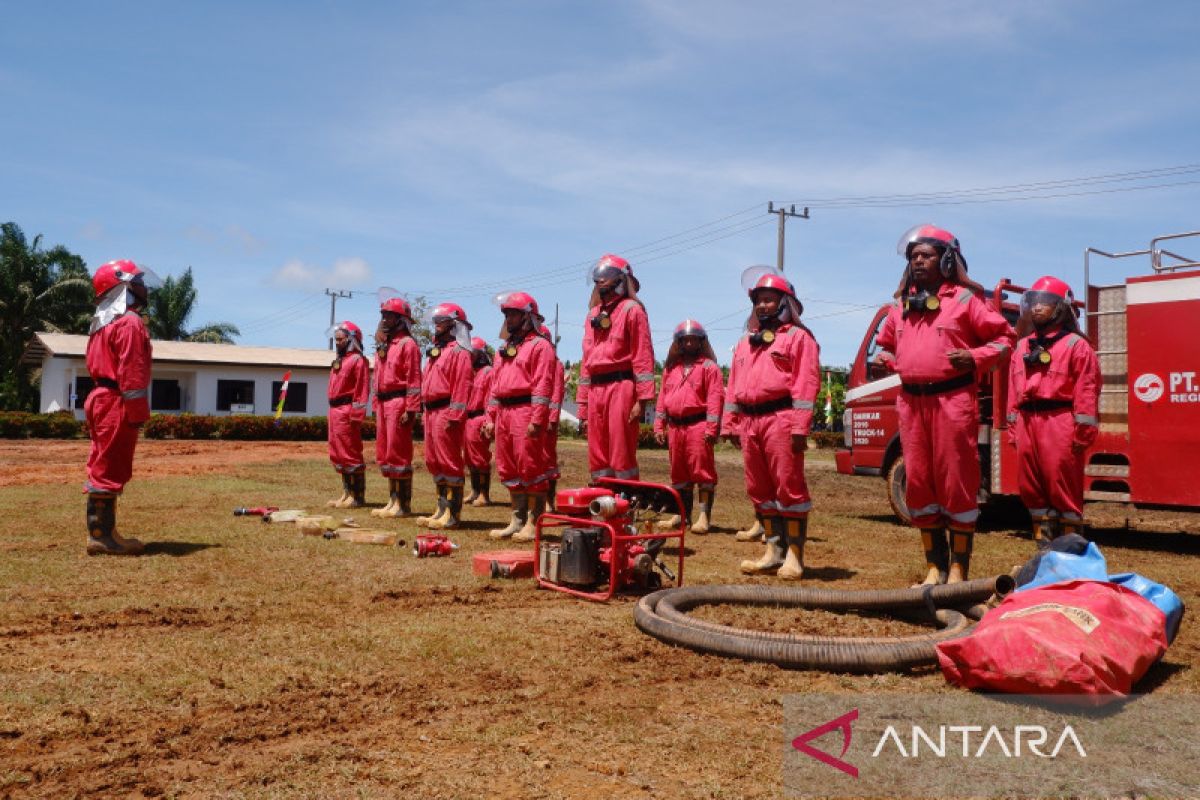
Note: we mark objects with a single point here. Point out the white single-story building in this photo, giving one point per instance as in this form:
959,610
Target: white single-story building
193,377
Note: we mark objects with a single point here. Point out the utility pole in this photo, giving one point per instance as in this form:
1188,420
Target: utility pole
556,336
783,215
333,298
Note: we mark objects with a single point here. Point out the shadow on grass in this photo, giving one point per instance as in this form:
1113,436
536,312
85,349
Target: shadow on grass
175,549
827,574
1157,541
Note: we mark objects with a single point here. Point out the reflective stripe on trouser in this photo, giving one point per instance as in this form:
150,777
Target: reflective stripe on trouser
520,461
612,438
692,458
345,438
393,441
1049,475
477,451
443,447
110,462
774,474
938,434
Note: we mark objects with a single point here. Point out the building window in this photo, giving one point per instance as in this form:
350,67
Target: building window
235,396
165,395
83,387
297,396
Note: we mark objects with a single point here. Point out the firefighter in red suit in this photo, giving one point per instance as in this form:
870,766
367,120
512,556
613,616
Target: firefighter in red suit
519,413
397,400
556,399
773,385
940,337
1054,394
349,387
688,420
616,375
477,448
445,391
118,359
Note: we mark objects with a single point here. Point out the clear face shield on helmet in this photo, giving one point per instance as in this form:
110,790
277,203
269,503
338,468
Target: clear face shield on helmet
130,294
789,309
352,344
459,330
508,301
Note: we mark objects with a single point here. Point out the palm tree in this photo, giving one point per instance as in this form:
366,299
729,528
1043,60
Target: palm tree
169,307
40,290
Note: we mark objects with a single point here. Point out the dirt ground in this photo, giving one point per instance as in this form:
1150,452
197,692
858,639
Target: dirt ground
244,660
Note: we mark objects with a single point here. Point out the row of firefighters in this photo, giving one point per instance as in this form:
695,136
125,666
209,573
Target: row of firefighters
940,337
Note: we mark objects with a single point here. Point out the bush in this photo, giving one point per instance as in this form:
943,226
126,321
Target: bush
22,425
825,439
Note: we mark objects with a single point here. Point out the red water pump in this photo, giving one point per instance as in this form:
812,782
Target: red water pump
602,539
433,544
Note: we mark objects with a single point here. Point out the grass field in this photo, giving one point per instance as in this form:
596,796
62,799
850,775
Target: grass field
244,660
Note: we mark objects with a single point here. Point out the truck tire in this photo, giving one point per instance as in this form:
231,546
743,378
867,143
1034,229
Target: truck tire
897,484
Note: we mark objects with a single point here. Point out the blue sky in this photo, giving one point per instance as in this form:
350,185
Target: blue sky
455,149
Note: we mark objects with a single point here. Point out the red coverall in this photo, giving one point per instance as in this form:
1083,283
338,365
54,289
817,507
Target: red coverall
477,449
1054,406
786,372
939,430
445,390
118,359
397,389
688,409
617,370
349,385
521,392
560,390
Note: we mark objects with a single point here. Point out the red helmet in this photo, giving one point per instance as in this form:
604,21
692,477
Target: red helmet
938,237
391,300
122,271
1049,291
761,277
610,267
349,327
690,327
448,310
517,301
479,344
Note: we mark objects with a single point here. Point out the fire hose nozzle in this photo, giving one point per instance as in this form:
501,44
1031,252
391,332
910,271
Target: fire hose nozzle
608,507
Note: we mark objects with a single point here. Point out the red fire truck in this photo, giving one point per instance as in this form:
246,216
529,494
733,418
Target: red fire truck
1146,331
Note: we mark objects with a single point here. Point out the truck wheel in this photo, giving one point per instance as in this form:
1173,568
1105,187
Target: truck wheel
897,484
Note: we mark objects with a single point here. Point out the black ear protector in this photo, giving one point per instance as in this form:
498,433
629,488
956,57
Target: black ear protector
601,321
762,336
921,302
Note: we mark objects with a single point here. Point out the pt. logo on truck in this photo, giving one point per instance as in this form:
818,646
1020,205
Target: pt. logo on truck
1183,387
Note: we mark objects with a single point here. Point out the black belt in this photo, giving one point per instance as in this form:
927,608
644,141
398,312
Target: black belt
437,405
762,409
940,387
515,400
344,400
108,383
1044,405
391,395
690,419
477,413
611,377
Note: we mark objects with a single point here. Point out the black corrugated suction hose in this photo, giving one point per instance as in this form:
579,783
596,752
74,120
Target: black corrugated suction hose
663,615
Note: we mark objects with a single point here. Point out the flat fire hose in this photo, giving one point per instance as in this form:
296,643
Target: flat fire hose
664,616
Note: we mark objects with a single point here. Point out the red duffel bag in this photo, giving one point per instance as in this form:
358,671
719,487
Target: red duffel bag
1086,641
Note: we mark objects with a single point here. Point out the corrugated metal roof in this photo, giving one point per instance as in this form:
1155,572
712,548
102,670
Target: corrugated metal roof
72,346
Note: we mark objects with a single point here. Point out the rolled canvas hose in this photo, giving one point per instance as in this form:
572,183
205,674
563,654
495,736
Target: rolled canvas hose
663,615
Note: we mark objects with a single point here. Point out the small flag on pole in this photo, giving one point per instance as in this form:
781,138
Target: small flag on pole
287,376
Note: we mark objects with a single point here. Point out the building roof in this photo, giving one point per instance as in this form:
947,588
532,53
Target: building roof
63,345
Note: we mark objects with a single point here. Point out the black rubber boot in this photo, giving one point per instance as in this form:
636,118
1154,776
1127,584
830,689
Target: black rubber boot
550,493
485,489
358,489
937,555
772,559
404,492
793,562
474,473
961,545
103,539
520,510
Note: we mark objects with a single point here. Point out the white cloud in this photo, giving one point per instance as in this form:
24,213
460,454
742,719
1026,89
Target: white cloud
345,273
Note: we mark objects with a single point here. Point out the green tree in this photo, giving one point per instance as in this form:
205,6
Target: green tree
168,310
40,290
